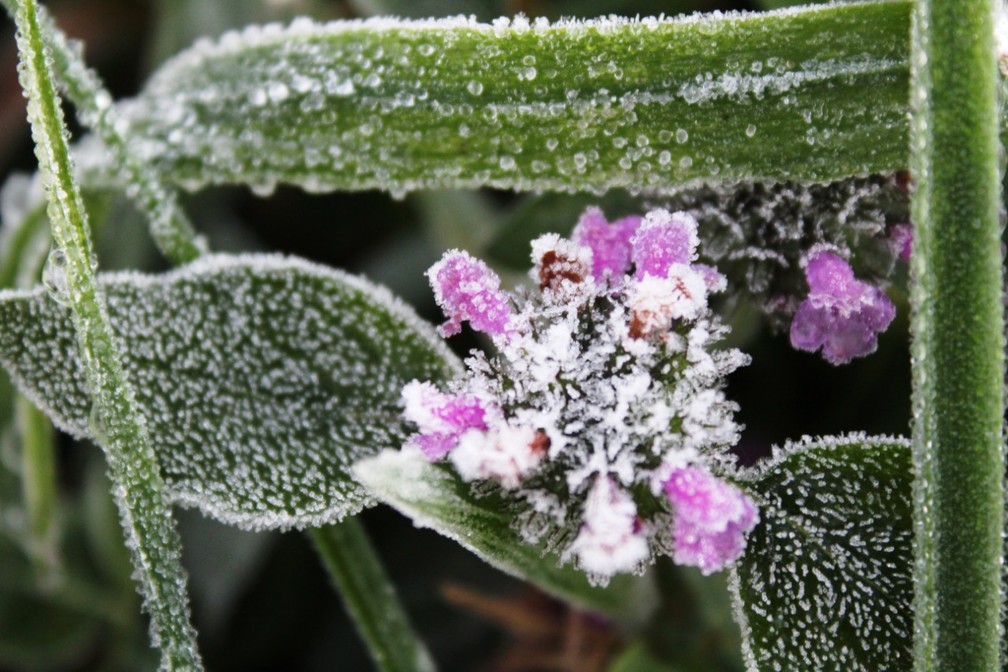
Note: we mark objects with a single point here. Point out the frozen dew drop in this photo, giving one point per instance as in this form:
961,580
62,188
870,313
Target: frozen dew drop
750,130
474,87
681,136
686,162
54,277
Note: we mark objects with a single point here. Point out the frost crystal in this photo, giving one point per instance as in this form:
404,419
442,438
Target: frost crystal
841,315
467,290
605,382
611,538
711,519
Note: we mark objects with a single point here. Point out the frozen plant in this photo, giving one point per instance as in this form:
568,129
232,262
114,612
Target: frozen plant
601,412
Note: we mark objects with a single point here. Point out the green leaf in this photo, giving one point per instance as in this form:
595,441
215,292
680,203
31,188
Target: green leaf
825,583
433,496
810,95
261,378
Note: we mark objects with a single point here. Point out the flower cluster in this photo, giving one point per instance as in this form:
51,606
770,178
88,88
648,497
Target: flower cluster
601,414
841,315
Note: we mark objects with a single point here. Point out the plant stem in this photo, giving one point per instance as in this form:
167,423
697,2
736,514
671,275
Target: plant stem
170,227
119,428
958,336
357,573
38,485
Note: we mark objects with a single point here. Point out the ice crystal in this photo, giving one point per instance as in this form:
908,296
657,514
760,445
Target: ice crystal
604,384
841,315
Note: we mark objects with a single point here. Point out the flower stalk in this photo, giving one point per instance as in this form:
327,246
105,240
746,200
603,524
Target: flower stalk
958,360
117,424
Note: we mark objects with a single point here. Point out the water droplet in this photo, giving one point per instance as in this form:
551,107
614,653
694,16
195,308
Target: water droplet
507,163
685,162
681,136
750,130
54,277
474,87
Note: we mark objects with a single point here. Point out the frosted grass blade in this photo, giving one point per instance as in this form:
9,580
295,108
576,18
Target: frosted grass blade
649,104
432,496
825,583
262,378
114,414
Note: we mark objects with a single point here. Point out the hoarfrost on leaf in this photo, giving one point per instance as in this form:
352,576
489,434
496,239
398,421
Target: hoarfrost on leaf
262,379
825,582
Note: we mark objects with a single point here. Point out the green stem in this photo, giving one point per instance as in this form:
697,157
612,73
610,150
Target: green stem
119,427
357,573
958,336
38,485
170,227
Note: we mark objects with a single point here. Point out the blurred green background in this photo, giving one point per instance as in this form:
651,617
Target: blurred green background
261,601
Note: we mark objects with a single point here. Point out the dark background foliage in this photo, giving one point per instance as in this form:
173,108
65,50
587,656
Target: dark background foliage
262,601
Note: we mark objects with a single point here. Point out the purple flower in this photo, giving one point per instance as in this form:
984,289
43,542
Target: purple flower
609,243
712,518
442,418
662,240
901,239
841,315
466,289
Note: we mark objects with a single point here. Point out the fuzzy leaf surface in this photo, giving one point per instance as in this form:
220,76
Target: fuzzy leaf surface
434,496
575,105
262,379
825,583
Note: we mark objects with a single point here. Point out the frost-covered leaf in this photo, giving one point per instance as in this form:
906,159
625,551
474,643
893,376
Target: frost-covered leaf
825,583
433,496
644,104
262,378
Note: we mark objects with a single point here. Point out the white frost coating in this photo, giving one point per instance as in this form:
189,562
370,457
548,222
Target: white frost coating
609,541
1001,28
657,302
831,555
505,454
271,34
262,379
739,85
336,106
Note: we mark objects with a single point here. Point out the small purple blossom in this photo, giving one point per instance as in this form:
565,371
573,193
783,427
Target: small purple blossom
841,315
662,240
442,418
466,289
901,239
712,518
609,243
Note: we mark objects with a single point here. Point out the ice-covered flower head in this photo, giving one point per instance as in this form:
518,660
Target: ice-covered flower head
604,387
